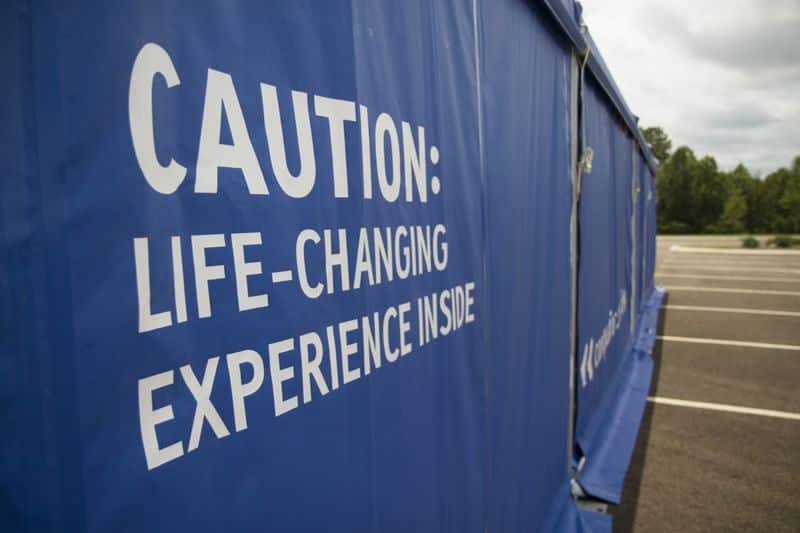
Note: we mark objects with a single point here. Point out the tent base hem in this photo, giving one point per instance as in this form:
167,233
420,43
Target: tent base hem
603,473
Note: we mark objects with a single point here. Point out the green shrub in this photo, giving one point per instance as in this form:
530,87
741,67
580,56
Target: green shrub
674,227
784,241
750,242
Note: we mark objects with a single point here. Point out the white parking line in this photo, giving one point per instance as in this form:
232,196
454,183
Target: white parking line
724,407
743,310
713,268
747,260
729,278
725,342
730,259
729,251
729,289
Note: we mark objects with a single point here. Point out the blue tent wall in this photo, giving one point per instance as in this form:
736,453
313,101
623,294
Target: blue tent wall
377,450
648,229
605,277
652,228
469,432
527,152
640,178
613,367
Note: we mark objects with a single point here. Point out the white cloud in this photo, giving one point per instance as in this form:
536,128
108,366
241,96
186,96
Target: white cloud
721,76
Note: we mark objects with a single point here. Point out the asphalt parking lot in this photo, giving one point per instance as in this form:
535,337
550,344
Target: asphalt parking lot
719,446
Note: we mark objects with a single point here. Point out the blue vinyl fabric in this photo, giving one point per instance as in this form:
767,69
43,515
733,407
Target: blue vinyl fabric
641,177
651,223
527,157
613,375
609,452
647,225
604,271
149,297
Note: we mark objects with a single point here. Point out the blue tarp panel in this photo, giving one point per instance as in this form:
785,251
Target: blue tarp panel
614,437
305,266
652,228
640,249
610,375
646,230
527,154
111,371
605,251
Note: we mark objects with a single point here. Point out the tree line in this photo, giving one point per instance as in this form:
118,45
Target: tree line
695,196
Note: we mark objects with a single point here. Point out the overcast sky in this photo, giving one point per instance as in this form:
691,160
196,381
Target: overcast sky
721,76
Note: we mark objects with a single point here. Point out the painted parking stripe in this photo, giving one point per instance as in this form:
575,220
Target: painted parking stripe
746,260
742,310
725,342
724,261
731,251
729,289
721,268
729,278
724,407
729,261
